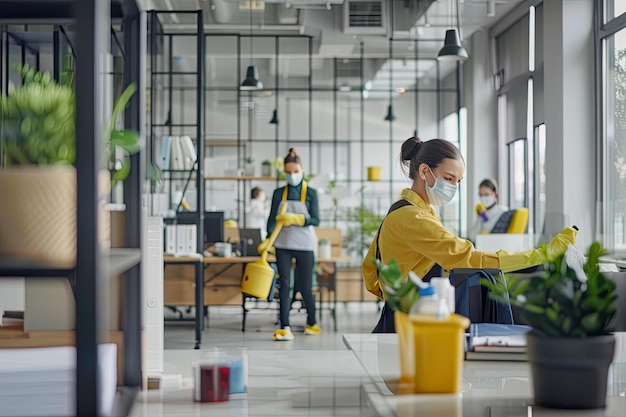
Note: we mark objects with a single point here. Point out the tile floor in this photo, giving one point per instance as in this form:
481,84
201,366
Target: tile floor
312,376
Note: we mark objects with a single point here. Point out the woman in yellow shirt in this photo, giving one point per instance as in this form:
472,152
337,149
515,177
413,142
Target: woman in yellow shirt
413,235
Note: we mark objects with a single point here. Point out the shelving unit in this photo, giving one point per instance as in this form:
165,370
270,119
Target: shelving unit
92,23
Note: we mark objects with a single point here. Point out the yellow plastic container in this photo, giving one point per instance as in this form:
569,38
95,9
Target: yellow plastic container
374,173
439,349
406,351
257,279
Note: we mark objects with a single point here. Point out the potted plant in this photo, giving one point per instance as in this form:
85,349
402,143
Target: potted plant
266,168
38,182
569,306
324,248
249,168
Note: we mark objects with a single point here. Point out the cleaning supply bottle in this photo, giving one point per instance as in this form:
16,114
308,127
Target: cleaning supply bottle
430,304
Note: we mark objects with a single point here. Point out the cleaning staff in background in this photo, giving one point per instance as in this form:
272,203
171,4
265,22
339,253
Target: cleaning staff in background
413,235
296,240
257,211
488,211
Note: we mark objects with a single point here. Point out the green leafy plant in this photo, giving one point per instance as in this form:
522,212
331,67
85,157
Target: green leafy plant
39,118
357,239
266,162
38,121
248,160
401,291
566,300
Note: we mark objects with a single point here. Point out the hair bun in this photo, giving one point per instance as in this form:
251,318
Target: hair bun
411,147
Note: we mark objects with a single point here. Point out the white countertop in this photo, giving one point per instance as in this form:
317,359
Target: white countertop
490,388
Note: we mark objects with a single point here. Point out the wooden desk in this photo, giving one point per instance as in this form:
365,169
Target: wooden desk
197,262
327,278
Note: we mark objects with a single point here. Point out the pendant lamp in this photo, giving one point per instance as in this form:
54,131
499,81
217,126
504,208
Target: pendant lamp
252,73
390,117
274,120
452,49
252,79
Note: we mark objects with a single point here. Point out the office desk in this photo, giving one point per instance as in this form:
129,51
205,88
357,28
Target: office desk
490,388
199,288
328,279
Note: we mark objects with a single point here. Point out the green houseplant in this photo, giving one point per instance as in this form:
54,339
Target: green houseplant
38,141
249,168
569,307
266,168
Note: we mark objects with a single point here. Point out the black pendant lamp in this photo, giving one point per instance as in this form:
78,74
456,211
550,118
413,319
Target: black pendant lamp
252,73
452,49
274,120
252,79
390,117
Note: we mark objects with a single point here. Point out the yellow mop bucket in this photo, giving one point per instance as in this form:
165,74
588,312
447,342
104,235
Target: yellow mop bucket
259,275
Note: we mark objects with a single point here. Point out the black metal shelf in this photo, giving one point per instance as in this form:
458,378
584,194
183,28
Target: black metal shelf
124,400
122,259
19,267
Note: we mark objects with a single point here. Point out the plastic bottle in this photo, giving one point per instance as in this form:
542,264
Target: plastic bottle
444,290
430,304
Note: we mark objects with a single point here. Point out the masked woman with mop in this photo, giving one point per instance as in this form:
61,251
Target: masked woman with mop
296,240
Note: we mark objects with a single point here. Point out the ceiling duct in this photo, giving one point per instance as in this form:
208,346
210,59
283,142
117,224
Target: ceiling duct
365,17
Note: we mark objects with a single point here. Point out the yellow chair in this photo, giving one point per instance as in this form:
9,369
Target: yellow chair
519,221
512,221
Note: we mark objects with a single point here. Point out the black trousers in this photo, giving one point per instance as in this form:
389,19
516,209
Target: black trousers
305,261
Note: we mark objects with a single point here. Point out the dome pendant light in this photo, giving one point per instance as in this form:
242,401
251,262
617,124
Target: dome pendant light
452,49
252,73
252,79
390,117
274,120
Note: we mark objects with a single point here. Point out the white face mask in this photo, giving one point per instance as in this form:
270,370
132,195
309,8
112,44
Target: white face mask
441,193
295,178
488,200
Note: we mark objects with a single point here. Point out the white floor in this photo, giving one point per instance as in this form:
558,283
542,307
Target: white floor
312,376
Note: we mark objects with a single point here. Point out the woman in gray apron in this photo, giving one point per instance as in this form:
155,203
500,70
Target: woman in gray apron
296,240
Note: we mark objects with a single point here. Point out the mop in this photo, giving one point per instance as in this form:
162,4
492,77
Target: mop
259,275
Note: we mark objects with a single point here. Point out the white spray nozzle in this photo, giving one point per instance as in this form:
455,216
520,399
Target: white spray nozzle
417,280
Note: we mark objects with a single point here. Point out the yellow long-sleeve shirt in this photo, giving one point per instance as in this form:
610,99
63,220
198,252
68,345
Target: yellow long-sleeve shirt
415,237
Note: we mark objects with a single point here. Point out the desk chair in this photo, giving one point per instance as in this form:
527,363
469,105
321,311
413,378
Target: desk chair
512,221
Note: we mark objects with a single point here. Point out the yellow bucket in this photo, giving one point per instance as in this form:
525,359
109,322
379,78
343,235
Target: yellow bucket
257,279
404,329
374,173
439,349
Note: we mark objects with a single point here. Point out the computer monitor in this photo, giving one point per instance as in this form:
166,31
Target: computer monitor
250,238
213,226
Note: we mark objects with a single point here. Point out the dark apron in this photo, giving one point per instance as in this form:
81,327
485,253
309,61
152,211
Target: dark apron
386,323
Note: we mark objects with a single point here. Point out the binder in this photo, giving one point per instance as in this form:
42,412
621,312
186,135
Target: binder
166,146
170,238
188,152
181,238
190,238
176,158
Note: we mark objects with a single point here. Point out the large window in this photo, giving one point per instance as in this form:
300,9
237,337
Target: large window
614,142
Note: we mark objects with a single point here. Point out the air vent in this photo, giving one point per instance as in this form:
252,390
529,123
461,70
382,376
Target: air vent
365,17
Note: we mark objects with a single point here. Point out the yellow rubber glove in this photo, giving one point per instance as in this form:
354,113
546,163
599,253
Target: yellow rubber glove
290,219
521,260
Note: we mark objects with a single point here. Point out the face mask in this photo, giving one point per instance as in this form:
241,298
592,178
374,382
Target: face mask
294,179
441,193
488,200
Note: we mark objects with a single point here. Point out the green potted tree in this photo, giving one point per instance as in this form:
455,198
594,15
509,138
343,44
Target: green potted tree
38,182
249,167
569,306
266,168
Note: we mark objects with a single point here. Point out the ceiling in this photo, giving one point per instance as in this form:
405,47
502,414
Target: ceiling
411,24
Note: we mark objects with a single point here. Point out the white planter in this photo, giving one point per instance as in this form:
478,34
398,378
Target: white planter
266,170
250,170
324,250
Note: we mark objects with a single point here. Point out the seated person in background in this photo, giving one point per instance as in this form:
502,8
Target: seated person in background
488,211
258,211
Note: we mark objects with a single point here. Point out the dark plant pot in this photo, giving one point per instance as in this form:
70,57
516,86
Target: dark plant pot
570,372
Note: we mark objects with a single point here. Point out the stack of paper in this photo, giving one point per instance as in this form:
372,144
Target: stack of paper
42,381
489,341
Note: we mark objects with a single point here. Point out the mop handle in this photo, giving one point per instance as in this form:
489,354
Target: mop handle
274,235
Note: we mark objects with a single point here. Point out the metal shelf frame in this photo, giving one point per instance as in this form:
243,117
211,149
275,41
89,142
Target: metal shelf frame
93,268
